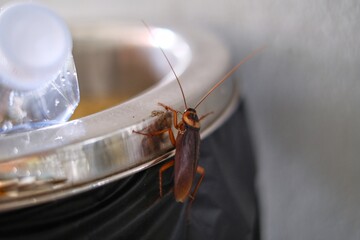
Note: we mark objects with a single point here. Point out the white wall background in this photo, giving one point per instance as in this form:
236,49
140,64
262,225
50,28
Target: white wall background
303,95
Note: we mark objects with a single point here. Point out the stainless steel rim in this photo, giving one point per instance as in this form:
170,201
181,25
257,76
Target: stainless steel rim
63,160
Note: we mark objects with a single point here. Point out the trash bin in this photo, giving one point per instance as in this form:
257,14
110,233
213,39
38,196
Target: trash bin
93,178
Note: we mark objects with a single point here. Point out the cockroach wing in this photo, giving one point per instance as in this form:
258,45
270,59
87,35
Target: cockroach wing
186,161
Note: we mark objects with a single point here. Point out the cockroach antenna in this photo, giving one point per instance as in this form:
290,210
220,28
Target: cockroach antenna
168,61
248,57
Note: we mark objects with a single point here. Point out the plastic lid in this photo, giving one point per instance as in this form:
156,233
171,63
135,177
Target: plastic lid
34,45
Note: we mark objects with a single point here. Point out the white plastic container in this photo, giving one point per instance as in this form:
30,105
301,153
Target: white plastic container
38,81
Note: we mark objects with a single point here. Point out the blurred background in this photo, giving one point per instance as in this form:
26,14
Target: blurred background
301,95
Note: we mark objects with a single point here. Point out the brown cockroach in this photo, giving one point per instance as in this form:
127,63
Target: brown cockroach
187,142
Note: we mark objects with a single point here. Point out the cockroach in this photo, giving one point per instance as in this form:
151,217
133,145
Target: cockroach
187,142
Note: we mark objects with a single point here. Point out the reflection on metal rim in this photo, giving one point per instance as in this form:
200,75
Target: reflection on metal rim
63,160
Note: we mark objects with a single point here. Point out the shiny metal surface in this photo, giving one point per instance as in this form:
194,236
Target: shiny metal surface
90,151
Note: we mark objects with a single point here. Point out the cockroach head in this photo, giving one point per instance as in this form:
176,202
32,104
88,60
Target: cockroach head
191,119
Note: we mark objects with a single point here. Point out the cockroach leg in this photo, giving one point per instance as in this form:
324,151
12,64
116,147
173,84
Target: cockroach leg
167,107
175,113
151,134
162,169
200,170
